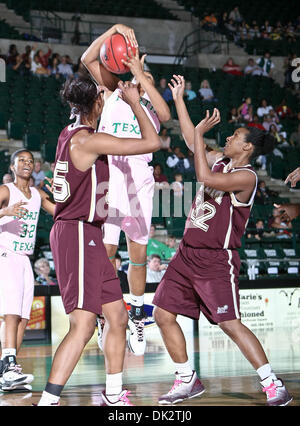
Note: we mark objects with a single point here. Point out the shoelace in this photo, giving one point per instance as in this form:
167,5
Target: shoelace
139,325
175,385
124,398
16,367
271,391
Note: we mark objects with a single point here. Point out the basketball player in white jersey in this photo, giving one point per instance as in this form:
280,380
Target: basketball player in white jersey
19,213
131,185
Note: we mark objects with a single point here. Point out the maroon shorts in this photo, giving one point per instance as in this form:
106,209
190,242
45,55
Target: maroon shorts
201,280
86,277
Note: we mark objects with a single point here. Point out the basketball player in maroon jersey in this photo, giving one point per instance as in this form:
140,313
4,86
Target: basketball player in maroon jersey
203,274
87,280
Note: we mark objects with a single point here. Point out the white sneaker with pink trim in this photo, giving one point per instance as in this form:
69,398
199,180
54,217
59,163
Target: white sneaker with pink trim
183,390
277,394
122,400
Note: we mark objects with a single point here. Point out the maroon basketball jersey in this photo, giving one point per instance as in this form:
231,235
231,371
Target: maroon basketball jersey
79,195
217,219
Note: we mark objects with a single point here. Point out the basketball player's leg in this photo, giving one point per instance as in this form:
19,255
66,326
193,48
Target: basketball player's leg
114,343
172,334
68,353
111,250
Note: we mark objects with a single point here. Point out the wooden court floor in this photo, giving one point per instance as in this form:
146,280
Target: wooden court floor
228,378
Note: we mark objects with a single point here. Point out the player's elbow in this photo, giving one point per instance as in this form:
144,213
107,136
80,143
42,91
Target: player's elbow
164,116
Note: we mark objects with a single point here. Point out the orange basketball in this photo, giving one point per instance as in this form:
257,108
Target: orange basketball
112,53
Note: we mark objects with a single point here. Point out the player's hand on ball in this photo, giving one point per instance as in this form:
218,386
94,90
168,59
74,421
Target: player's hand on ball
208,122
177,86
129,93
134,63
128,33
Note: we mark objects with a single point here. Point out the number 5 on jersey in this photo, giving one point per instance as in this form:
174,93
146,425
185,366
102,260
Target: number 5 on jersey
61,187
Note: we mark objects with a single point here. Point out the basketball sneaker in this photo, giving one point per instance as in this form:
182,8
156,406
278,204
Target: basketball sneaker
12,376
277,394
183,390
100,325
136,323
122,400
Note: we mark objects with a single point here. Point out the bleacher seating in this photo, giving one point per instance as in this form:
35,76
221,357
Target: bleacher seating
132,8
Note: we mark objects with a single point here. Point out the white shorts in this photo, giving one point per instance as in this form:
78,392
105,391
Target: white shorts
16,284
130,199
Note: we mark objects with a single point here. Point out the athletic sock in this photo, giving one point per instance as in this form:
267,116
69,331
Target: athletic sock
48,399
113,386
184,370
266,375
136,300
51,394
8,352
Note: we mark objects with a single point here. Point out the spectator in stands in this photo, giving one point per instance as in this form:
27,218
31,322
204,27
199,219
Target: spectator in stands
53,65
209,22
230,29
233,116
44,57
164,90
205,92
235,15
177,161
161,181
231,68
155,246
38,174
11,55
283,110
254,31
37,68
245,110
171,243
42,269
189,93
252,68
165,140
255,123
177,185
155,270
266,64
21,66
295,137
258,232
7,178
121,273
64,68
273,130
264,108
282,227
268,121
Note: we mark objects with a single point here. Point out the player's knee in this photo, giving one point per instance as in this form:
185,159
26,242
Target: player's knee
118,320
162,317
230,327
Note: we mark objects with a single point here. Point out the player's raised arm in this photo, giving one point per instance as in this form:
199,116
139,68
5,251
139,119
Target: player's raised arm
145,79
90,58
227,182
187,127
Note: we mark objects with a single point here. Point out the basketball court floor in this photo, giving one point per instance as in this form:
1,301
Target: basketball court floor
228,378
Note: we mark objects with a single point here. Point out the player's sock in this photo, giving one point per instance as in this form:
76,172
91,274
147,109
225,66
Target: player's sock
183,370
266,375
114,384
8,352
51,394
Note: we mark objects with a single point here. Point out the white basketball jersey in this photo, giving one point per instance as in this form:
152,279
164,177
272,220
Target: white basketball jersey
21,235
118,120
